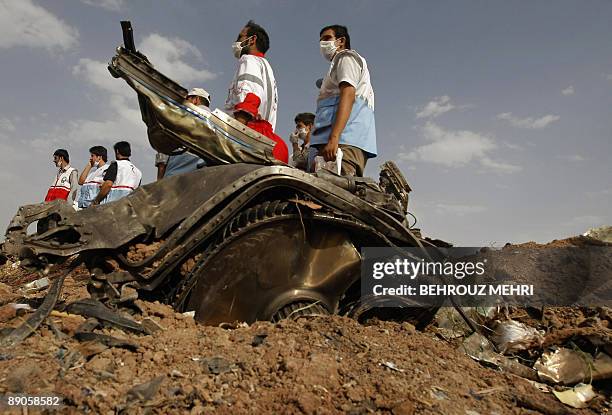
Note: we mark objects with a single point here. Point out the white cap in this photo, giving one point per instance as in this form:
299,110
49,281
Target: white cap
199,92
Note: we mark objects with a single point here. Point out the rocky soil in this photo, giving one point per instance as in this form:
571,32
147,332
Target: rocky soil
311,365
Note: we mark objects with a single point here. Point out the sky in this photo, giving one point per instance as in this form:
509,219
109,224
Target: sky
499,113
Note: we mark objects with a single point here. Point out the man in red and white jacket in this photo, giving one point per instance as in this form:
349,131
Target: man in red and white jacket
247,113
65,184
254,73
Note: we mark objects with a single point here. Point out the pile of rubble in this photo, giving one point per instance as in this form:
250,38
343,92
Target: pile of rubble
147,358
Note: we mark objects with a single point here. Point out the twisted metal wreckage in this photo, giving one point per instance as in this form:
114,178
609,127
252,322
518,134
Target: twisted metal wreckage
246,238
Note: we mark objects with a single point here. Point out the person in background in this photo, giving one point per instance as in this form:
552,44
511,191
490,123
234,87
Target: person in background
65,184
254,74
345,106
182,161
92,177
247,112
303,128
121,177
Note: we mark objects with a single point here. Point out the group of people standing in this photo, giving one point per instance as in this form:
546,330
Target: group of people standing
100,181
344,118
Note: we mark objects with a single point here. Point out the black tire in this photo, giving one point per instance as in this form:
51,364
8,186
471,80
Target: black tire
299,309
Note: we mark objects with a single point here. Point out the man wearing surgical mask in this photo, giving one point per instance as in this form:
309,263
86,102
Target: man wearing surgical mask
254,73
300,139
92,176
345,106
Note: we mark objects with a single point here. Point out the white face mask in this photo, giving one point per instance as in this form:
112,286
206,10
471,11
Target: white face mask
302,132
328,49
237,48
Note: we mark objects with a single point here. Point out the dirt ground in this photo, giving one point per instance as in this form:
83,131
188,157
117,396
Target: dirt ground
312,365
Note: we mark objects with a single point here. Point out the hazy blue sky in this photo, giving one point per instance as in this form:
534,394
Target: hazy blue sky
498,112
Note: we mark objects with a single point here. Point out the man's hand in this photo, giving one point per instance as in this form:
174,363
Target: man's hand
329,150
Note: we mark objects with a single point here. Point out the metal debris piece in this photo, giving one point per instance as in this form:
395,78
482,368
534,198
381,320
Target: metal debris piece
151,326
391,366
480,349
36,285
578,397
451,324
510,336
258,339
145,391
11,310
109,341
568,367
216,365
31,324
189,313
89,307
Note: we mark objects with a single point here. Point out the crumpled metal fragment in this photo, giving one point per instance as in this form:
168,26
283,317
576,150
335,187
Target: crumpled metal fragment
569,367
511,336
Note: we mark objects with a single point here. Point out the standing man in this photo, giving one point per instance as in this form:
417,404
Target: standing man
121,177
254,73
92,176
64,184
345,106
303,129
182,161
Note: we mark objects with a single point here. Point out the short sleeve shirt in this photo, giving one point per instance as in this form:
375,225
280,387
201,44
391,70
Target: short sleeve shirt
349,67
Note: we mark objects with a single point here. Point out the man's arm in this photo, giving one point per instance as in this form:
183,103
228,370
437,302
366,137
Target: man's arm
106,187
345,106
84,174
74,185
109,178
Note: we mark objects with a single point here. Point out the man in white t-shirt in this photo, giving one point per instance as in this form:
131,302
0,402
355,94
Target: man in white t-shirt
345,106
254,73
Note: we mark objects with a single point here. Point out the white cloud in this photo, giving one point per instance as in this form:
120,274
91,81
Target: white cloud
458,210
6,124
456,149
168,56
24,23
112,5
436,107
121,117
572,157
528,122
568,91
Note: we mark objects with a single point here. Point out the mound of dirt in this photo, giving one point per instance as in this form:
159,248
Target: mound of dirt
312,365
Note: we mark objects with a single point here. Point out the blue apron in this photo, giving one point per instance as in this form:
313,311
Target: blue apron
360,130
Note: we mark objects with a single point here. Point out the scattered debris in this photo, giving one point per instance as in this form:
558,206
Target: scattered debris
258,339
36,285
31,324
11,310
569,367
145,391
391,366
89,307
511,336
106,340
577,397
216,365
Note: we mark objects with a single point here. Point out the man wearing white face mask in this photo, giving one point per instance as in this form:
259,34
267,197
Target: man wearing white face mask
92,176
254,73
345,106
303,128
